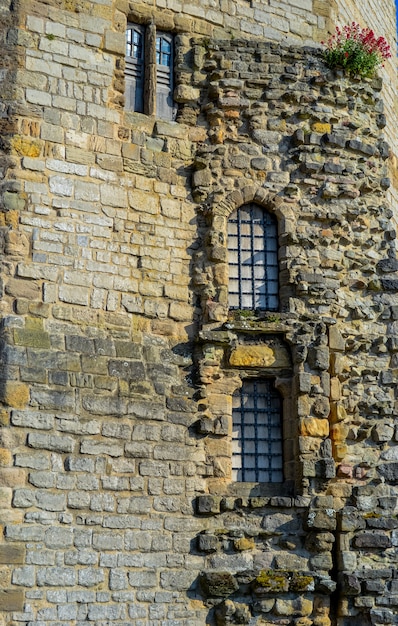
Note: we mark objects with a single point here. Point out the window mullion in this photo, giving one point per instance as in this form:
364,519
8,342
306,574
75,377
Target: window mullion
150,71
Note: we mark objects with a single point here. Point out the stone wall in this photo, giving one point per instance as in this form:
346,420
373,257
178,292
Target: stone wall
367,13
119,354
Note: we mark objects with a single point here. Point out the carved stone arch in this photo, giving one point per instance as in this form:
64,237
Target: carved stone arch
251,193
214,294
265,198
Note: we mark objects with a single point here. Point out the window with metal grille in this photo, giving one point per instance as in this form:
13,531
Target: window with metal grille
149,70
253,259
257,432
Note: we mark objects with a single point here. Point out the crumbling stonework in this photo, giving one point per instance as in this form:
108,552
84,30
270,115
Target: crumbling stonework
120,355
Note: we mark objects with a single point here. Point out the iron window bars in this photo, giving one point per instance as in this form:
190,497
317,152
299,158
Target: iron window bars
253,259
257,433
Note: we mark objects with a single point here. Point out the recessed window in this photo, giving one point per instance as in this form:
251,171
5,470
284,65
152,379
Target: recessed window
149,72
134,71
253,259
257,432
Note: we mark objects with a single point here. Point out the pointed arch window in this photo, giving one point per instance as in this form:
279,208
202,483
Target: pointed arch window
257,432
253,259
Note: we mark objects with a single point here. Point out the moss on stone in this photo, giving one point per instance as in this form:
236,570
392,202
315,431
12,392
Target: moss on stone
269,581
300,583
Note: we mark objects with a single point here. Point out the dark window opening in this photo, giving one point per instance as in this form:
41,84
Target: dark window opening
257,442
253,259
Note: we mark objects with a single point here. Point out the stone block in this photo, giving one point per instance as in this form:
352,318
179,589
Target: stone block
218,583
11,600
33,419
24,576
312,427
50,442
372,540
322,520
15,394
90,577
259,356
208,505
12,554
115,42
31,338
208,543
297,607
19,288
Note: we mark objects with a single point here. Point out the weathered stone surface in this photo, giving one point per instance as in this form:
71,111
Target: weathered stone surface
11,600
259,356
115,245
372,540
218,583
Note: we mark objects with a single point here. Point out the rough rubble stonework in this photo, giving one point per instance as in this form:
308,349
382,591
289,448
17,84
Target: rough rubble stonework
119,356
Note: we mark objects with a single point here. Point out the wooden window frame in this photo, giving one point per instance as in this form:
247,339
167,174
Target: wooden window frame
152,91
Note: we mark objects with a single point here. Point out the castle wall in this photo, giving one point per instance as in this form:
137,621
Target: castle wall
119,354
383,22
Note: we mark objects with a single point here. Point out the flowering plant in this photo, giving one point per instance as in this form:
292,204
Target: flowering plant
357,50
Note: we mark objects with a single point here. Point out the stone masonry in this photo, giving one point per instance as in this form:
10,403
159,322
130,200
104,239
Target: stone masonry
120,356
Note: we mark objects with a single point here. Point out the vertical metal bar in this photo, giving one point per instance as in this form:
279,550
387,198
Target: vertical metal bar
238,230
252,249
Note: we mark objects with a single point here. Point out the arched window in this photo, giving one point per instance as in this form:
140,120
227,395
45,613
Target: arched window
253,259
257,432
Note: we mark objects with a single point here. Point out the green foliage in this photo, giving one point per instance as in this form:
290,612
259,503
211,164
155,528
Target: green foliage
356,50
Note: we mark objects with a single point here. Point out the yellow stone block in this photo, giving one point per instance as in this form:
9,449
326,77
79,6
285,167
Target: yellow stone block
219,403
312,427
16,394
339,451
338,412
26,147
12,218
218,447
12,477
319,127
34,323
140,324
335,389
5,457
243,544
259,356
4,417
5,497
339,432
322,621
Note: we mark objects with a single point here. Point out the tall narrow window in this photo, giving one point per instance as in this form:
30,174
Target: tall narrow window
149,71
164,76
257,433
135,68
253,259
